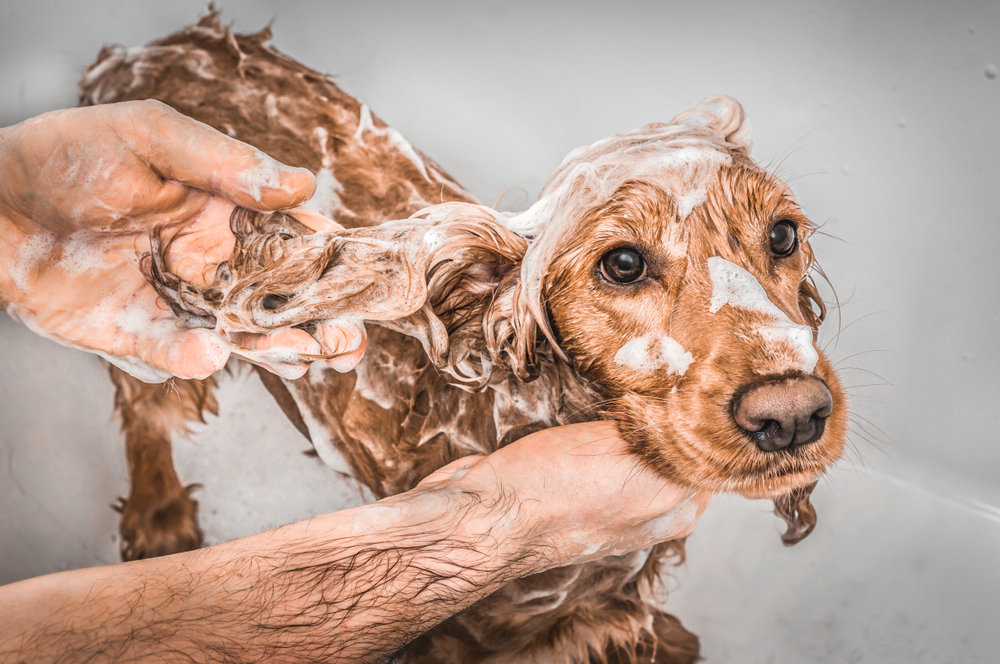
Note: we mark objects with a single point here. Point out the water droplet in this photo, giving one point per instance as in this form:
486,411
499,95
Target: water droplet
845,169
990,71
901,122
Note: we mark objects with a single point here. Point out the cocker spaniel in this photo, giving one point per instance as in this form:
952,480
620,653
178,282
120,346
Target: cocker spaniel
661,280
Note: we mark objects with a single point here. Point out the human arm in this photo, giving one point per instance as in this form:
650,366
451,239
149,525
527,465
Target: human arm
358,584
79,192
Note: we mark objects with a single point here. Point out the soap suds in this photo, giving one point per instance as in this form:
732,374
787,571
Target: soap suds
736,287
33,250
692,156
396,140
79,256
325,200
319,433
271,106
266,174
364,388
689,201
433,238
647,355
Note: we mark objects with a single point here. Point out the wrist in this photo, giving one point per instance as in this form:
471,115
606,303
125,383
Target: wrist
391,569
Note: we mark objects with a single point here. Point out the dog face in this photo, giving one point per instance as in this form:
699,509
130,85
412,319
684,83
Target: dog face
676,278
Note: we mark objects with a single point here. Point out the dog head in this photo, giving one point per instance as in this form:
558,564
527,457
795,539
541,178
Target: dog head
674,273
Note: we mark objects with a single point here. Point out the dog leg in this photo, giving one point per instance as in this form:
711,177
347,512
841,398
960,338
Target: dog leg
159,516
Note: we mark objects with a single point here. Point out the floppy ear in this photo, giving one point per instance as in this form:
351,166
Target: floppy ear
811,304
798,513
474,287
725,115
449,276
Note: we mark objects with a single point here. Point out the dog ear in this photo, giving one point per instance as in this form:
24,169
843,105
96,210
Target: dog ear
810,303
798,512
725,115
449,276
474,287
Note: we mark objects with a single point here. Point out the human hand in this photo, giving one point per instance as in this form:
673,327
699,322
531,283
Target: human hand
577,493
80,192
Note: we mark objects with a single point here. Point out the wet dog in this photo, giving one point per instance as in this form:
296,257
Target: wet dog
661,280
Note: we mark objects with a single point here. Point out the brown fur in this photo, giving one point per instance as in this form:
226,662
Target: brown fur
497,356
159,516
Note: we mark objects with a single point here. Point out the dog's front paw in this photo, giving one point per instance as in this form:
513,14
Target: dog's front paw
158,527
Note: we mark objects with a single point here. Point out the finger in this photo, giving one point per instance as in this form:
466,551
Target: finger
280,353
186,353
183,149
314,220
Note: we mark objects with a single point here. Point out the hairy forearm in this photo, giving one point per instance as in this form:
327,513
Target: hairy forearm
350,586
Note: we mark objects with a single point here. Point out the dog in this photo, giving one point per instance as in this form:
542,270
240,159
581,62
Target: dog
662,281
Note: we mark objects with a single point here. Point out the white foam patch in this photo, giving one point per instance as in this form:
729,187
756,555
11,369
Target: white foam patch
79,256
326,199
648,354
396,140
691,156
364,388
265,175
736,287
433,238
319,432
689,201
271,106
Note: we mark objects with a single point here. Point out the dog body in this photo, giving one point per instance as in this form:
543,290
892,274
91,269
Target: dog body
644,286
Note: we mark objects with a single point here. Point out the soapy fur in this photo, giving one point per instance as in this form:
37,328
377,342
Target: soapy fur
484,326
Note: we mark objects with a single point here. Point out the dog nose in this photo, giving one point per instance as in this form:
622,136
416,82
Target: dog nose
785,413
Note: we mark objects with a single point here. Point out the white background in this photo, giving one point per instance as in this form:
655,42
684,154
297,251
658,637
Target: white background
882,116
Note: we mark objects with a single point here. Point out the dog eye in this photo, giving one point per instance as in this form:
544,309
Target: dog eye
623,265
784,237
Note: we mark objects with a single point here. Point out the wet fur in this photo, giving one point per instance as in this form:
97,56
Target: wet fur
502,370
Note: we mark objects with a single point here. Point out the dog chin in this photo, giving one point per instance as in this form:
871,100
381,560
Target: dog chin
758,488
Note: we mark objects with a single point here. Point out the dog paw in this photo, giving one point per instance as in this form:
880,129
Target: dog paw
159,527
